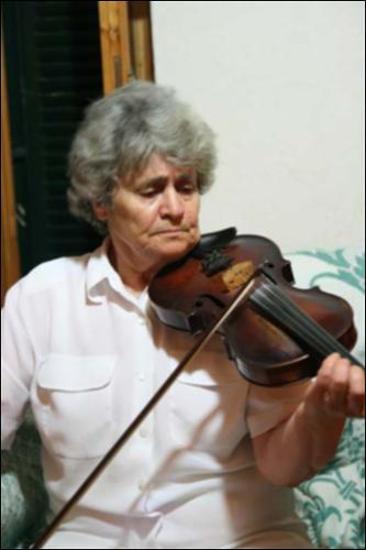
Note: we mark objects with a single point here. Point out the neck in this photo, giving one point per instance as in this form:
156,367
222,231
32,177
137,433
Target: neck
134,279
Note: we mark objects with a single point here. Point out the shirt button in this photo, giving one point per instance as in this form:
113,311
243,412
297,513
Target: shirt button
144,433
141,321
141,376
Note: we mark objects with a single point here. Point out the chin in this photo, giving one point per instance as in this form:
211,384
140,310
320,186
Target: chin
174,250
172,246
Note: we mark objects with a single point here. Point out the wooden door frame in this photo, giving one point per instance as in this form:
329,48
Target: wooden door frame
10,261
126,44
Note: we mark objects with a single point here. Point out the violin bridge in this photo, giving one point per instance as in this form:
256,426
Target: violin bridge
238,275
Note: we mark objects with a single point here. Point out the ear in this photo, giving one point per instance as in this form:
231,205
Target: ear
100,211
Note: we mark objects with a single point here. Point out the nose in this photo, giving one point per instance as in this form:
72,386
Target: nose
172,206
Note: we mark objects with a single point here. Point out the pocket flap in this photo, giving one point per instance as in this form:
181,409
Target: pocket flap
75,373
215,374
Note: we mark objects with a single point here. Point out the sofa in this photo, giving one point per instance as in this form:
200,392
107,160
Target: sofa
331,503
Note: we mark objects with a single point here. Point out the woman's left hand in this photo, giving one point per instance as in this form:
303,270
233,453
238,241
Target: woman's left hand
338,389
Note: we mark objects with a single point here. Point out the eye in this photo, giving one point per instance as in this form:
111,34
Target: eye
187,187
148,193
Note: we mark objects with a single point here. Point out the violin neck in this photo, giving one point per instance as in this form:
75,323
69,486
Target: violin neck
273,303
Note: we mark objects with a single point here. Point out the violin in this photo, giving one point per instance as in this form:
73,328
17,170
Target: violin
280,333
242,287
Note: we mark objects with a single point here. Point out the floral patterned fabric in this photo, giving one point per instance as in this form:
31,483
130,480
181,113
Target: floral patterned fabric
24,501
331,503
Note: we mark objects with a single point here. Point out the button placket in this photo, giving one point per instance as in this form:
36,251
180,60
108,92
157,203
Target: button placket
144,392
144,433
144,376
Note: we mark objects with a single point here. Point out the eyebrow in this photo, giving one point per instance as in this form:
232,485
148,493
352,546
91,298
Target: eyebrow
151,181
158,180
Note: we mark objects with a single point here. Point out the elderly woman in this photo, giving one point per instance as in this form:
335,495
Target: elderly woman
212,466
138,164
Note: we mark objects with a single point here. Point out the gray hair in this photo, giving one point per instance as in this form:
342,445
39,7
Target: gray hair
119,134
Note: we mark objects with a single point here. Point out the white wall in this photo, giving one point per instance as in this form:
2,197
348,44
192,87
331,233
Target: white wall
282,85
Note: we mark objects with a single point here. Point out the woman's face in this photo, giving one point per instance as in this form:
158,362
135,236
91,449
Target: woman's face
154,215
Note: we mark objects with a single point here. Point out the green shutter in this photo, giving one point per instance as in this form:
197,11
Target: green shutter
54,71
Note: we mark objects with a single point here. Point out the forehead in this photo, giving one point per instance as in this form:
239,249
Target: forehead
159,166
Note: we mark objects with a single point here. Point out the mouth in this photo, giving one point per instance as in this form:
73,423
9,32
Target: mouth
172,231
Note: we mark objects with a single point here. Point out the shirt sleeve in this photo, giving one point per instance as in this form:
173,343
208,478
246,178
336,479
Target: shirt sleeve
269,406
17,360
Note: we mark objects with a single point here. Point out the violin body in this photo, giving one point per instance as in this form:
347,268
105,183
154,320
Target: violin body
264,335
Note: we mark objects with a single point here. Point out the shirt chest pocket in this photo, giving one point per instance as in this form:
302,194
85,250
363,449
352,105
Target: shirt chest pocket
73,404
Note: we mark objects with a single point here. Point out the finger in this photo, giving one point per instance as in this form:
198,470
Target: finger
337,395
329,362
326,372
318,391
356,394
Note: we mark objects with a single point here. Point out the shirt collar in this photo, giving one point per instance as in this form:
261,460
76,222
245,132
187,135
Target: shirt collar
99,272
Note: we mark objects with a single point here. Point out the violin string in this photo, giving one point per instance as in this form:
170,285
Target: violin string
294,318
302,321
266,304
292,323
330,342
319,334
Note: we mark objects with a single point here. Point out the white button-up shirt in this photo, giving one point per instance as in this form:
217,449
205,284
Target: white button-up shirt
88,354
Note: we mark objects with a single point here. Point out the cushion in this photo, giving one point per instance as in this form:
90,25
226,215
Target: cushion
332,502
24,501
